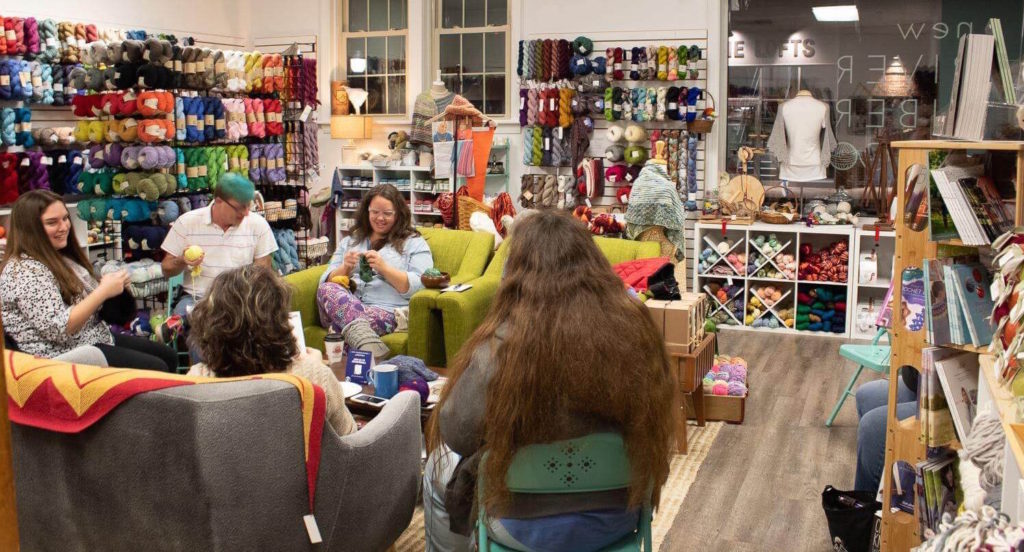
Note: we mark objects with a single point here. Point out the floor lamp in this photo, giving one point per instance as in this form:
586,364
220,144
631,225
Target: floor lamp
879,190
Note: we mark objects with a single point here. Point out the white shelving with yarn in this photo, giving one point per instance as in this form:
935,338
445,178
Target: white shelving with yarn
418,178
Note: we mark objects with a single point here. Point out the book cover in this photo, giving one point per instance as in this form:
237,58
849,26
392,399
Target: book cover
998,207
912,298
940,224
973,283
953,309
950,124
962,214
938,315
904,476
968,186
935,410
959,378
1009,95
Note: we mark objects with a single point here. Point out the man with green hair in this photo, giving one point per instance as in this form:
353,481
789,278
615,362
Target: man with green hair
227,234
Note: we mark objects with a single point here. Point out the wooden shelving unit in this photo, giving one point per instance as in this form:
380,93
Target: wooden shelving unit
900,531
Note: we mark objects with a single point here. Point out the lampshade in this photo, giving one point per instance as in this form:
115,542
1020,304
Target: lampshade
895,83
353,127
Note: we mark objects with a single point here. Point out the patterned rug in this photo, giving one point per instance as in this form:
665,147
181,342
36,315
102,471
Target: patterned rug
681,475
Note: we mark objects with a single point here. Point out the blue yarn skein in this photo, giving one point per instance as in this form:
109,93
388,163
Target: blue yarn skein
23,137
209,106
691,100
179,118
22,85
598,65
46,75
8,74
580,65
194,123
691,172
182,178
7,120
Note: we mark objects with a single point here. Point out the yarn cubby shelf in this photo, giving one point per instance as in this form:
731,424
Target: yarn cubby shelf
901,531
743,243
415,175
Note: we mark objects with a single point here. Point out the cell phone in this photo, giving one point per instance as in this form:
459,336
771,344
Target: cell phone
369,399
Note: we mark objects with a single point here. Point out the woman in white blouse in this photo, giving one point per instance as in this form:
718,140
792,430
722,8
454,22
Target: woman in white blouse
49,298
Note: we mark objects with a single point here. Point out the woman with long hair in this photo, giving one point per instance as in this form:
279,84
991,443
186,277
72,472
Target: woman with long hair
241,328
385,257
563,352
50,298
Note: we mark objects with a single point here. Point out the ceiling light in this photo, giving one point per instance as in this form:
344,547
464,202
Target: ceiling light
836,13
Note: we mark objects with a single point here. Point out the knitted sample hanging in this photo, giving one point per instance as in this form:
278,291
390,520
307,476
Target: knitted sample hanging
655,202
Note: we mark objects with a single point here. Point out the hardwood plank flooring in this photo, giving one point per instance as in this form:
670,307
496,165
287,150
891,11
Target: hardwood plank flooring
760,487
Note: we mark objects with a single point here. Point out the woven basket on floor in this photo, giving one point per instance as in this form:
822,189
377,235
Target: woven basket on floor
466,207
657,234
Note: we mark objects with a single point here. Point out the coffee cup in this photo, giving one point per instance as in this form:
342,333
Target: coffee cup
384,378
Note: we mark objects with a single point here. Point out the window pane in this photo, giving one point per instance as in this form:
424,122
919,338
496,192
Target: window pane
378,15
355,47
357,81
449,48
375,100
497,12
473,89
375,55
451,13
399,9
473,53
452,83
396,54
474,13
356,15
494,50
494,94
396,94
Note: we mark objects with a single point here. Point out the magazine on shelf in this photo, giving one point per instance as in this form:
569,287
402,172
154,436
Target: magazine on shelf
1002,65
936,419
937,311
973,282
959,378
940,225
968,226
971,87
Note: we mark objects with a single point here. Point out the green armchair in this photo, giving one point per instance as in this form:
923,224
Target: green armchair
462,254
461,313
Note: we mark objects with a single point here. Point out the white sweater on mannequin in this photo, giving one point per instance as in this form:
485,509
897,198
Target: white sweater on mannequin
797,139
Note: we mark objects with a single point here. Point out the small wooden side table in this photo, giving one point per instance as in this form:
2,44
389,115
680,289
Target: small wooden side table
690,371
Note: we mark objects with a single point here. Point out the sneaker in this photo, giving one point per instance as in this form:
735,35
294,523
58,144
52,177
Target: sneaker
360,336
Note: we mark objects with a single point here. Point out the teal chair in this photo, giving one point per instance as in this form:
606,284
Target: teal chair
173,283
874,357
592,463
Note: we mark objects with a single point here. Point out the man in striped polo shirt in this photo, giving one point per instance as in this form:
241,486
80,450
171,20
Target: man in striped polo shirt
228,233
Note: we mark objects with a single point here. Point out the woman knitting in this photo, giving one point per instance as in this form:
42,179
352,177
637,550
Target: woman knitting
50,299
252,301
385,257
540,369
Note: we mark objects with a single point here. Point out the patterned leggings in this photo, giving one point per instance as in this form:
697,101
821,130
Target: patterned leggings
339,308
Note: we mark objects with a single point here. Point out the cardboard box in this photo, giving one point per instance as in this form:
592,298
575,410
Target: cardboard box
680,322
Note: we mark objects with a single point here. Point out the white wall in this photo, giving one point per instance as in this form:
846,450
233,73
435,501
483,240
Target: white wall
226,19
528,17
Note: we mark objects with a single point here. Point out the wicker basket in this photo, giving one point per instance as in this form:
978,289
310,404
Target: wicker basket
272,210
657,234
466,207
778,209
702,126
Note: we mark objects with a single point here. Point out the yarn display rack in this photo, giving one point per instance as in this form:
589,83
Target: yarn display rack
564,79
752,274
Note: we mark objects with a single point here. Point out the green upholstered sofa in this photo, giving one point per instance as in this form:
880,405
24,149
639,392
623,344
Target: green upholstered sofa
462,312
462,254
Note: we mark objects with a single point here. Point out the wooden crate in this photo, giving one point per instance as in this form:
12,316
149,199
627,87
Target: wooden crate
690,369
719,408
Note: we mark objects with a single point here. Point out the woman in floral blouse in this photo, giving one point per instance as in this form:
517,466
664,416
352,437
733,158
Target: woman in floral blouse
49,298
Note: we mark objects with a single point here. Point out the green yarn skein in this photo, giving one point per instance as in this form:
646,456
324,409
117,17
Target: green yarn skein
636,155
365,272
608,103
538,146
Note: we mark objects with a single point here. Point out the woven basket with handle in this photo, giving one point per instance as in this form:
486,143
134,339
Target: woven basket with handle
657,234
700,125
466,207
780,207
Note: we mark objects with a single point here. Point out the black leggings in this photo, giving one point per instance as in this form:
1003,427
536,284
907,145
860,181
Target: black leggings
129,351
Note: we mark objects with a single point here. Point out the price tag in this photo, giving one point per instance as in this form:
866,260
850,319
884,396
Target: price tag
58,87
311,529
673,105
728,281
528,195
26,127
177,65
561,133
596,83
547,143
691,197
130,123
202,170
208,119
77,161
254,163
632,67
220,124
552,105
306,111
142,82
233,163
71,91
582,61
181,168
617,66
190,67
587,201
692,109
192,172
47,161
145,54
51,42
218,66
522,103
11,35
617,107
24,162
151,103
25,77
37,80
62,159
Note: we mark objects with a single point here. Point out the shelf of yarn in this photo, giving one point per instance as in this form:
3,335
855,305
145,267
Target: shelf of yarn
767,307
769,261
820,309
827,265
722,259
1005,406
726,303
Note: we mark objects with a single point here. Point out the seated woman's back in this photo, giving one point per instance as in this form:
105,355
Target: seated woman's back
563,352
241,328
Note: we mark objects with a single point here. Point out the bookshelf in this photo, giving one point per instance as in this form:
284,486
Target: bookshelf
900,531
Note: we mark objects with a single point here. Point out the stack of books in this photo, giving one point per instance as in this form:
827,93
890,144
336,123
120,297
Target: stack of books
972,83
974,203
959,304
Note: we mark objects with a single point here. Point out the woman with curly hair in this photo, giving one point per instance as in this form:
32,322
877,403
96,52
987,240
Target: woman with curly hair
563,352
241,328
385,257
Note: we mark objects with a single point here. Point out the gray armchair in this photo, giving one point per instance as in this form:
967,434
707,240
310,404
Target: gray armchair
215,467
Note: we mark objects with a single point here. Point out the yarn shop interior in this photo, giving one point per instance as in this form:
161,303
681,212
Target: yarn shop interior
449,275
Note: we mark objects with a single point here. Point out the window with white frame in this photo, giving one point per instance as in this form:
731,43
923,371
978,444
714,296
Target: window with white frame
375,34
471,38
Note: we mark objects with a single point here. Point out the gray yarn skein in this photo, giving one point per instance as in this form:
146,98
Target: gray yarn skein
984,448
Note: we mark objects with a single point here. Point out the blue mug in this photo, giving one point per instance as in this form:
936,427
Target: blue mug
384,378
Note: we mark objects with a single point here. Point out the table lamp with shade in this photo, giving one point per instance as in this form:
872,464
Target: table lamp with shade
350,128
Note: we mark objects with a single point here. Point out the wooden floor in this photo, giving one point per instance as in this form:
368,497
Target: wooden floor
760,487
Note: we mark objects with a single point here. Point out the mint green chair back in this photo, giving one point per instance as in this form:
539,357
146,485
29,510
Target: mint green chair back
874,357
592,463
